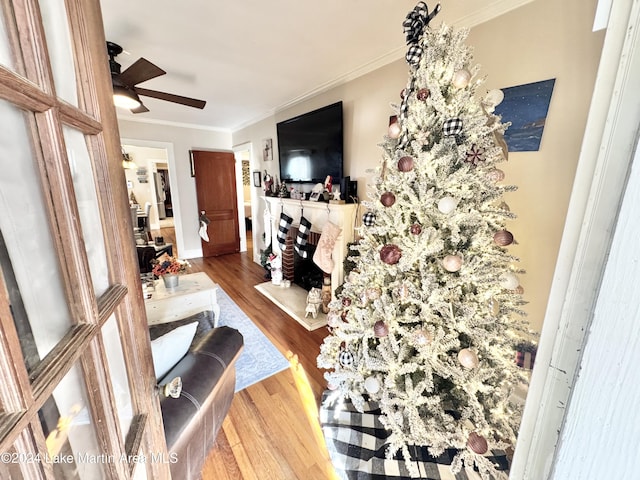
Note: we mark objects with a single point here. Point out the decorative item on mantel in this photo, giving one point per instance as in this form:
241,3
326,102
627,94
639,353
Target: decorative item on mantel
169,269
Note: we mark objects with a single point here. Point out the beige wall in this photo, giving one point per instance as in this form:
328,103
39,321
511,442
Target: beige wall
179,140
545,39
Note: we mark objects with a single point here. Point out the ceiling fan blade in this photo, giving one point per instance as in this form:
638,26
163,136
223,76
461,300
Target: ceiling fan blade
140,71
140,109
169,97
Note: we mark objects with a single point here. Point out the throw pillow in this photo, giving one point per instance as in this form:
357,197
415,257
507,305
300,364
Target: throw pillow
168,349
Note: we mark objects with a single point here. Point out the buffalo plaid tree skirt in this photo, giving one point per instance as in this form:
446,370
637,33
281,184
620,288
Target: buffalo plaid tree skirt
357,447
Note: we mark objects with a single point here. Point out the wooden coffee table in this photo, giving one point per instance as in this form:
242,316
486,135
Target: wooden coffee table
195,293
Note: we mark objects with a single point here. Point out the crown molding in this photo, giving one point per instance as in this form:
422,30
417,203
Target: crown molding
489,12
168,123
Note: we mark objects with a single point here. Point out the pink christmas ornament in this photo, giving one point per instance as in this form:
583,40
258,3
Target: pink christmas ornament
394,127
423,94
495,175
468,358
380,329
387,199
452,263
405,164
503,238
390,254
477,443
461,78
422,337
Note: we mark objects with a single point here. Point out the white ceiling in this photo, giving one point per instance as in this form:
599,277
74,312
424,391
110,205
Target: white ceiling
249,59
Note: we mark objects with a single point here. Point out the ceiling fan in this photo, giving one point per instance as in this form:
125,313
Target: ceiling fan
126,93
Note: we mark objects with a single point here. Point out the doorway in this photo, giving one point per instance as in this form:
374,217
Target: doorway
154,181
247,199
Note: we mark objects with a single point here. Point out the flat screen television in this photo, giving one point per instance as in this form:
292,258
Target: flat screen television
310,146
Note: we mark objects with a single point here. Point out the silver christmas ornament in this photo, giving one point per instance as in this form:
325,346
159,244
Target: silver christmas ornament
371,384
509,281
447,205
492,99
468,358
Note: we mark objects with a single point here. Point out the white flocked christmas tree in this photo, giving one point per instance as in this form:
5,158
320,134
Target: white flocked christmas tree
427,322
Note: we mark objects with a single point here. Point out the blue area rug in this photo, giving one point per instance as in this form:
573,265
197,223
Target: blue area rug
260,358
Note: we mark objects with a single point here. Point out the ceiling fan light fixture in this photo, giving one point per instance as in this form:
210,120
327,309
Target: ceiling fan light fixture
125,98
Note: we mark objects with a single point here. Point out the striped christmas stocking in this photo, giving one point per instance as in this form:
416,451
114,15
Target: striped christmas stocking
301,239
283,229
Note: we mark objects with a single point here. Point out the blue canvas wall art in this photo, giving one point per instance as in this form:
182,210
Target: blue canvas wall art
526,107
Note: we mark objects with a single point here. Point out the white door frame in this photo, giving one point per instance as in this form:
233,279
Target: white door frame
607,152
246,146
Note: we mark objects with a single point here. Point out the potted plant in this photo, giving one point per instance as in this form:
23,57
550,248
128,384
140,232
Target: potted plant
169,268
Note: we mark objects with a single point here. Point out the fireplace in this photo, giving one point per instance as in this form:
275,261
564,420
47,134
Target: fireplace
293,300
301,271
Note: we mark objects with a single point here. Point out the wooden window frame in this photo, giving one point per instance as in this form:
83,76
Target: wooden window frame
31,88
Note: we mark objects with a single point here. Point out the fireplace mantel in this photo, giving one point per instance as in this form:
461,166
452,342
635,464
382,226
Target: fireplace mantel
318,213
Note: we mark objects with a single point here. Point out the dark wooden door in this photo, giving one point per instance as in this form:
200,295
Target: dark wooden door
217,198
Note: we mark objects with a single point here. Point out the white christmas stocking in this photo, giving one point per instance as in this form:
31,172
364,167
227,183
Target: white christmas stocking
204,223
301,239
328,237
283,229
267,227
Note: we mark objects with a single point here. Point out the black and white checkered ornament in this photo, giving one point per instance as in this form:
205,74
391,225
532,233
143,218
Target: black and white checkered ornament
451,127
413,54
369,219
345,357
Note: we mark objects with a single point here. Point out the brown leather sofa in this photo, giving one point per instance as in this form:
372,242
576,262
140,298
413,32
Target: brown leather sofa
192,421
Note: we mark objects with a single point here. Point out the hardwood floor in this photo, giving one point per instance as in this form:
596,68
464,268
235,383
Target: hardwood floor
272,429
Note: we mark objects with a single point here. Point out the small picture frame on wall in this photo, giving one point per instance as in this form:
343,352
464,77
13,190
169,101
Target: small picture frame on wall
267,149
257,182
